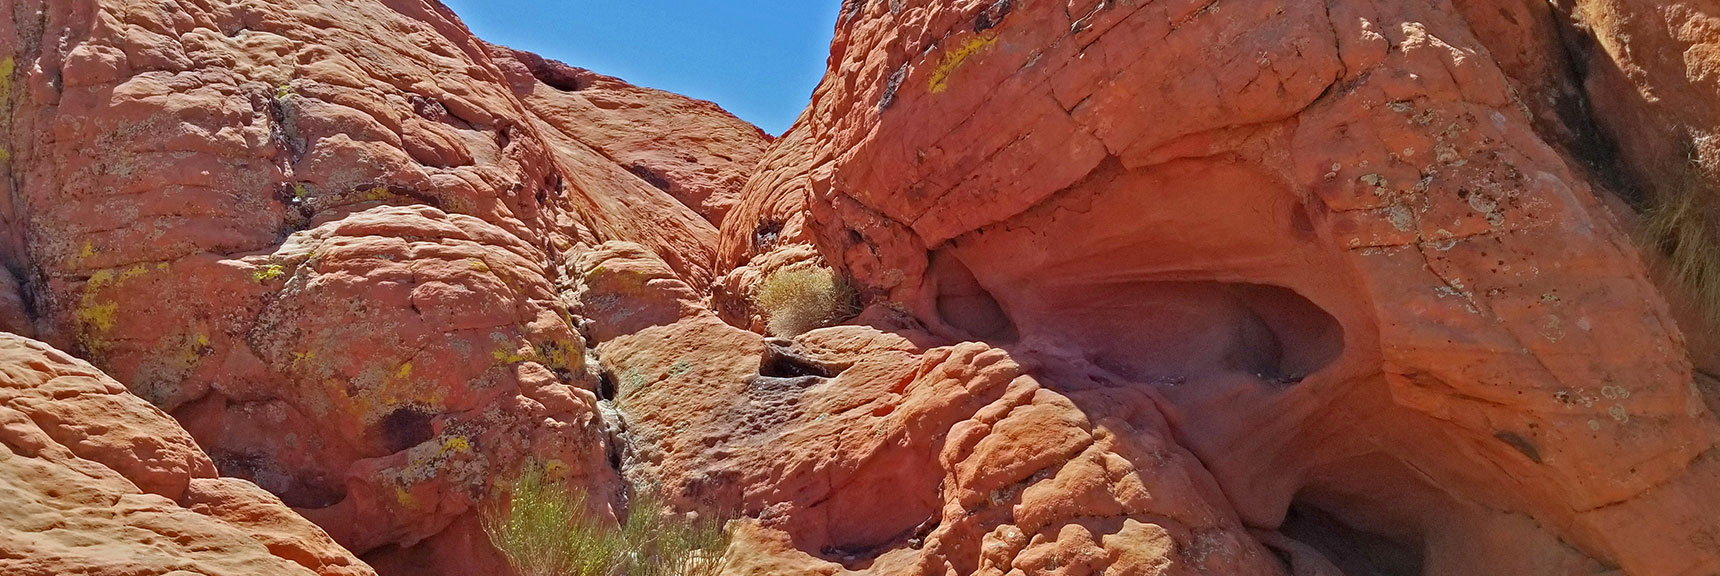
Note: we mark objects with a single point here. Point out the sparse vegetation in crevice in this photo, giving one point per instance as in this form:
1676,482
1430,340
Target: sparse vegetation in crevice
543,527
797,299
1682,226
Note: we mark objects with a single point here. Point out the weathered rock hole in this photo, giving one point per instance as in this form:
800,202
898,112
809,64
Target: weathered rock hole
605,386
1355,552
1305,337
1182,331
614,453
966,305
766,234
558,75
650,176
405,427
782,359
1522,445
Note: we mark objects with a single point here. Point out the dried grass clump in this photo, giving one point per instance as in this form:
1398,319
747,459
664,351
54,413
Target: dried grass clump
798,299
1682,226
542,528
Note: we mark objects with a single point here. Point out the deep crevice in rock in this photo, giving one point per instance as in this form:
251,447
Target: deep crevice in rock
605,385
650,176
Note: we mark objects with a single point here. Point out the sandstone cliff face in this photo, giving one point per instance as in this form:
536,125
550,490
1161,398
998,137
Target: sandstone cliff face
99,482
1175,287
326,237
1350,253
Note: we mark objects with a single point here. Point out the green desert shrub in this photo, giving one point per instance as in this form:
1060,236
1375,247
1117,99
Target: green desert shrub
797,299
543,528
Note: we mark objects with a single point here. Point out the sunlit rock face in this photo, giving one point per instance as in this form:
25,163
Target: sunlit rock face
99,482
1351,256
1175,287
327,237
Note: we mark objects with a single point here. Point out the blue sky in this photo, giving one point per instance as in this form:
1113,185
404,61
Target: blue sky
759,59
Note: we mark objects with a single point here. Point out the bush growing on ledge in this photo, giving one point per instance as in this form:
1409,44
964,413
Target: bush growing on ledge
797,299
543,529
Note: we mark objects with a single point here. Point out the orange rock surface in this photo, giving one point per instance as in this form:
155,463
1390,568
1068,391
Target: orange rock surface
1174,287
326,237
1373,293
96,481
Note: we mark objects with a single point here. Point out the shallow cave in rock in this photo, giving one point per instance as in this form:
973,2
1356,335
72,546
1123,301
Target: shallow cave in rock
1183,331
1354,551
965,305
404,428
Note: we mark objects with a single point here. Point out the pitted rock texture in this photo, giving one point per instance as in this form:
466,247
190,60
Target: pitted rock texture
99,482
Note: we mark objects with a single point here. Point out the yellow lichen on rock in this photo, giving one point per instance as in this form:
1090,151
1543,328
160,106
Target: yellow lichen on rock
953,59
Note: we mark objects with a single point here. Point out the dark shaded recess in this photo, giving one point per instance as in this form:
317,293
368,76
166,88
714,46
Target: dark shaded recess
564,83
605,386
650,176
1356,552
993,15
781,359
301,493
554,73
966,305
1302,224
893,85
1294,337
614,454
281,130
1521,444
766,235
404,428
918,539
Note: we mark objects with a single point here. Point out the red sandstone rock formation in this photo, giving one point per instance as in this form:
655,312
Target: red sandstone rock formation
99,482
692,149
1173,287
326,237
1351,253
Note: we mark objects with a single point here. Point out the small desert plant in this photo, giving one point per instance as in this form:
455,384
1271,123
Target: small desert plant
796,299
655,544
543,529
1683,226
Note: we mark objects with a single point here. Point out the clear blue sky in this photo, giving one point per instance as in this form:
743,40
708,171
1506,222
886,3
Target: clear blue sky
759,59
